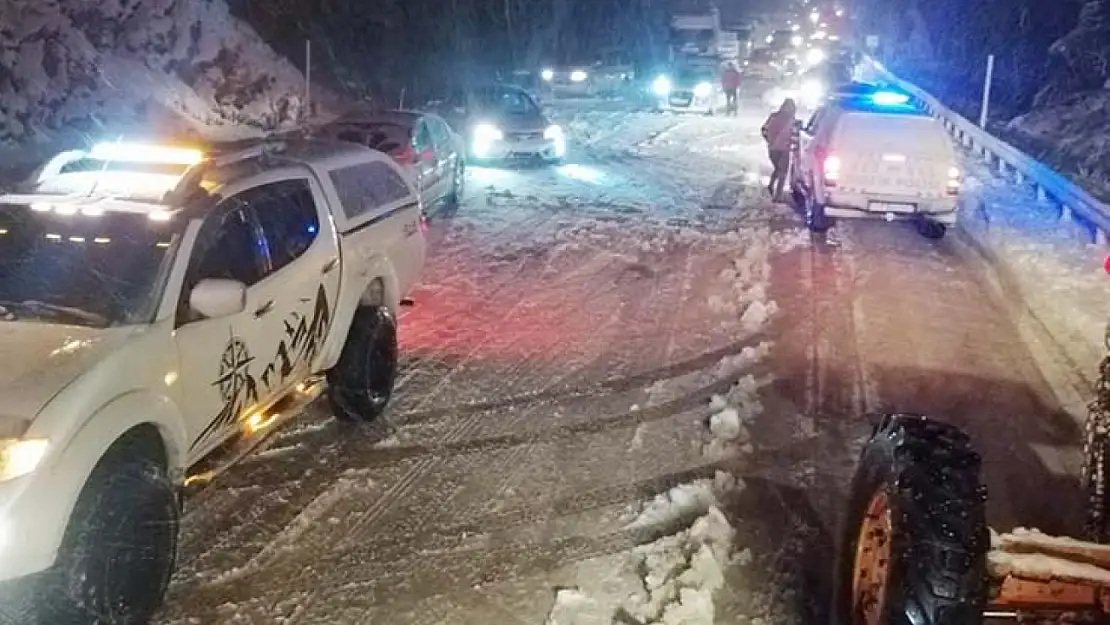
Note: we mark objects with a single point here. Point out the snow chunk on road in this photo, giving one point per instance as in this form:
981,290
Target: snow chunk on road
757,314
572,607
725,425
684,502
681,573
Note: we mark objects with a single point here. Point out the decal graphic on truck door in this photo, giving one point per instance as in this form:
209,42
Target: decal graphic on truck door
238,386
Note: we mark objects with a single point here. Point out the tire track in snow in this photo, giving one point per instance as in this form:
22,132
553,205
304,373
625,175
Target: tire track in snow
402,488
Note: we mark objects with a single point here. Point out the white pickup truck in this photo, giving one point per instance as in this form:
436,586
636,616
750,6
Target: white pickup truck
159,303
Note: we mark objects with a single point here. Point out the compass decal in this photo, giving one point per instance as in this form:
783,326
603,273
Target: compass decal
238,386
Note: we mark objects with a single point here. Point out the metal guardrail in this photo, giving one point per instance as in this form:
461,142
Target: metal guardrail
1075,204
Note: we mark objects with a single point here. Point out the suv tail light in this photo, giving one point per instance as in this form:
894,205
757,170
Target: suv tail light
954,181
830,169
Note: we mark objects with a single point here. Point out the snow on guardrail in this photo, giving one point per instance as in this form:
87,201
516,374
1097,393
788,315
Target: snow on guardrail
1075,204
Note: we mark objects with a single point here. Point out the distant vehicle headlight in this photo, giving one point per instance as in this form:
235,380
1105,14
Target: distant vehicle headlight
813,91
661,86
578,76
815,56
796,40
703,89
548,75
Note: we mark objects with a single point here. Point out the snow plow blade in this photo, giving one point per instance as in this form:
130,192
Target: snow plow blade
1033,572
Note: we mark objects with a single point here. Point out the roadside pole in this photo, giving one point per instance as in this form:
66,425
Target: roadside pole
986,92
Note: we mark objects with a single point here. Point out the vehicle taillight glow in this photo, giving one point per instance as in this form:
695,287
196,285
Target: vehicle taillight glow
830,167
405,155
954,182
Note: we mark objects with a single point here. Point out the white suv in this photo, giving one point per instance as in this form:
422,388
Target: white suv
157,304
876,155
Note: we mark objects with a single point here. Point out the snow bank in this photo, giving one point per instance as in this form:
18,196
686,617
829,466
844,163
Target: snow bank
73,67
1054,278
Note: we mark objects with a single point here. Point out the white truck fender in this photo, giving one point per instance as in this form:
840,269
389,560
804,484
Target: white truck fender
354,291
57,485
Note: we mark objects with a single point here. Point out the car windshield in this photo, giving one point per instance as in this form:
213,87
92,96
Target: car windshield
508,101
97,271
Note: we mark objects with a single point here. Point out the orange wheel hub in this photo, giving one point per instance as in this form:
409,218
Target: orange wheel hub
871,569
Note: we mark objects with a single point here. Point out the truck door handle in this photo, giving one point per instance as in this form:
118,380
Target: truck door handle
330,265
264,309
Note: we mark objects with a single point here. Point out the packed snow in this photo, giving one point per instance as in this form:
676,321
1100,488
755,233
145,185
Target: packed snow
77,70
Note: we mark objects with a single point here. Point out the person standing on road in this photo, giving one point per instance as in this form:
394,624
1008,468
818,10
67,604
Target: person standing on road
730,82
778,131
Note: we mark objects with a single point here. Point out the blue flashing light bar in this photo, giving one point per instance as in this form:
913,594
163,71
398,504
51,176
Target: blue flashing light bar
890,98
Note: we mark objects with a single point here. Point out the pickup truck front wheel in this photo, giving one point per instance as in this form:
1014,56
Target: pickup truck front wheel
361,383
120,545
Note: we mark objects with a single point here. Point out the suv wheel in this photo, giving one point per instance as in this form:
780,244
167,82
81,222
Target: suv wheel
361,383
931,229
120,545
458,186
816,220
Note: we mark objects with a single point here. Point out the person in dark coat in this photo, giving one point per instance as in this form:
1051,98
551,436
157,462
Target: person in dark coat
730,82
778,131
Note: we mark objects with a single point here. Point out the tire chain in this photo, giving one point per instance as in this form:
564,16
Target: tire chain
1096,438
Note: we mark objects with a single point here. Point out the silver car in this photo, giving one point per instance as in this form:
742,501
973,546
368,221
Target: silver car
504,123
423,144
690,90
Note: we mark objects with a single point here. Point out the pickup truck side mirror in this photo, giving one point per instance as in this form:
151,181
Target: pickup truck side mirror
217,297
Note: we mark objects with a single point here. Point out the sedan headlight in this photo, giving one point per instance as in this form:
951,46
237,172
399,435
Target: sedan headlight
578,76
553,132
548,75
18,456
703,89
661,86
486,133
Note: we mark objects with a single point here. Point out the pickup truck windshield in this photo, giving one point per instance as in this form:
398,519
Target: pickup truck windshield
97,271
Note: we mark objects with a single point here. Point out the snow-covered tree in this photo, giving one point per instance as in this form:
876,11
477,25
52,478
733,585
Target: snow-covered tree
1080,59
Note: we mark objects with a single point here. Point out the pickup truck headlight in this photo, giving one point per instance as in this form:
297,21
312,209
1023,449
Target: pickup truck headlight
578,76
703,89
19,456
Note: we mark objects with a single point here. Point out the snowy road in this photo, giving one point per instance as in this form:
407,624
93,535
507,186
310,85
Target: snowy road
590,336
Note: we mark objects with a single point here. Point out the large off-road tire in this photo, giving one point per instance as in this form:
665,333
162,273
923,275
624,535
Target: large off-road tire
915,539
120,544
361,383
